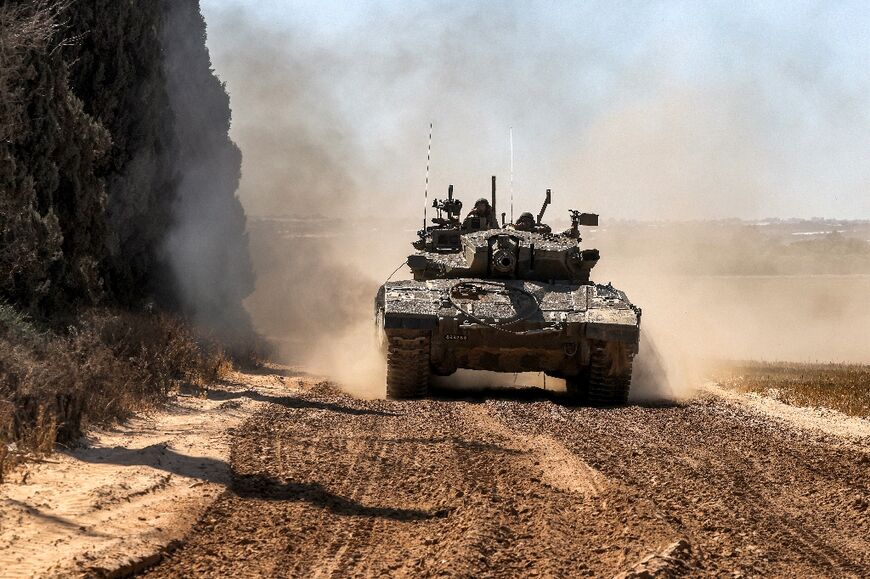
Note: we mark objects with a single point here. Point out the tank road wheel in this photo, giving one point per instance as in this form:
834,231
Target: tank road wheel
609,374
407,367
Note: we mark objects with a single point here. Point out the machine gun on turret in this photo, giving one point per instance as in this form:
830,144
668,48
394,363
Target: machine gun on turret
444,234
578,219
451,207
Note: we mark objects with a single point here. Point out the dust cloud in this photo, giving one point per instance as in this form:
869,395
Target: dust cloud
316,282
660,128
717,292
207,242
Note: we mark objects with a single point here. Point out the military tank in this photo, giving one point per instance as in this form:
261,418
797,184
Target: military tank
506,298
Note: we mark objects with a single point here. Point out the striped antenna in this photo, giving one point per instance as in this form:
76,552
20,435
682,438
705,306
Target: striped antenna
426,192
512,173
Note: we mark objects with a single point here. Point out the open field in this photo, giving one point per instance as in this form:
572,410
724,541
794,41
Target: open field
841,387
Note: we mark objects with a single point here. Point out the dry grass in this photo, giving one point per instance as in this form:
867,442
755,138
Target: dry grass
842,387
104,368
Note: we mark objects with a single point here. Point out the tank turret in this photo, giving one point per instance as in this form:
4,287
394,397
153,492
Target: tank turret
454,249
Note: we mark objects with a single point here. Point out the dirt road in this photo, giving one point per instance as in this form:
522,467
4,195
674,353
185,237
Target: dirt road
521,484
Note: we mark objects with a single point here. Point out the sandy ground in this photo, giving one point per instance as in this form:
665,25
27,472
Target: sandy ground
127,493
306,481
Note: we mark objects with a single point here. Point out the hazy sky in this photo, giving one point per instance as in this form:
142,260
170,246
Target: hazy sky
630,109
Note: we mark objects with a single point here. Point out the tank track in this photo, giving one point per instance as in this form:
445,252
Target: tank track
609,375
407,366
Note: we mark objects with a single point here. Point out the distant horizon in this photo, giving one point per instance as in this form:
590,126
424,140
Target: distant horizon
758,221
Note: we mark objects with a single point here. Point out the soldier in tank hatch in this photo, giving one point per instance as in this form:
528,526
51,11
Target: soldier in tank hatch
483,211
526,222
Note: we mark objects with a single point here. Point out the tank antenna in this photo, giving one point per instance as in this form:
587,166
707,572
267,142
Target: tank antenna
494,214
426,192
512,172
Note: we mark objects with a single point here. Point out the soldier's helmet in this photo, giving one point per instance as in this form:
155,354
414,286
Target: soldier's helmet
526,221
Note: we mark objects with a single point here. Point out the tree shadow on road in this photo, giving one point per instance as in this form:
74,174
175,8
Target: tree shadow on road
254,486
160,457
296,402
54,520
532,394
259,486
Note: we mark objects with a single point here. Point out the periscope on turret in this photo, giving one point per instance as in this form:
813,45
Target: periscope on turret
506,299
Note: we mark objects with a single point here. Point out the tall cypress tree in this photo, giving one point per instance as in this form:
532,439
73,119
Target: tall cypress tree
117,71
117,171
52,204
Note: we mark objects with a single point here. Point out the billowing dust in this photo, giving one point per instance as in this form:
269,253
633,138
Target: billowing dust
317,283
333,126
